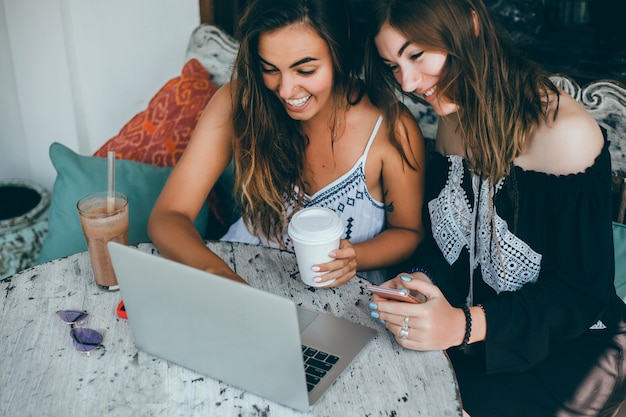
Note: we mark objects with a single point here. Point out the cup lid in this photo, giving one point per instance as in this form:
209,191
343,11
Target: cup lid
315,224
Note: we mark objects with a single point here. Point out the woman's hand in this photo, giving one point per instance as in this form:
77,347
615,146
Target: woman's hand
226,272
432,325
342,268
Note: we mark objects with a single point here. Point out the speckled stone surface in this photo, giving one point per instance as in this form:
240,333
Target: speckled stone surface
41,374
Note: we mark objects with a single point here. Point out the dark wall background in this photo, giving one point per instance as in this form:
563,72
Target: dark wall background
585,39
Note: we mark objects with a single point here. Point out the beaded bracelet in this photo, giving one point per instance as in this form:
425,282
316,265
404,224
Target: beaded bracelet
468,328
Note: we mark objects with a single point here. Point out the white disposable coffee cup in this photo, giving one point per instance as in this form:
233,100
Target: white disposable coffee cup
315,231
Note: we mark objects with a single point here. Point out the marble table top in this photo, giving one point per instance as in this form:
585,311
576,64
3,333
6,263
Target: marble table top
41,374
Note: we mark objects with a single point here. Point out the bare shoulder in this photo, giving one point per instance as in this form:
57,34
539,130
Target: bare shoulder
222,99
217,113
411,138
567,145
407,126
408,135
213,135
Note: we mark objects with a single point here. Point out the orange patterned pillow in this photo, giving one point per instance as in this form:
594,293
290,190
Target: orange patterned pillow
159,134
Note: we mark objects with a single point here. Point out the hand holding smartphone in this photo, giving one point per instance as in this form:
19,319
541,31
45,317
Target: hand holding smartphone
393,294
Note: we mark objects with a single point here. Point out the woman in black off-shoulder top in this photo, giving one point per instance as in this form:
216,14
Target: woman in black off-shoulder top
516,276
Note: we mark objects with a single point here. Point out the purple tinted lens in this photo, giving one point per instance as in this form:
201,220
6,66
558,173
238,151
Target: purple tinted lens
72,316
85,339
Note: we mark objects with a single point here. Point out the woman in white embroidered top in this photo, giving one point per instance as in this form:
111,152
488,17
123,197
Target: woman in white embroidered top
518,210
302,132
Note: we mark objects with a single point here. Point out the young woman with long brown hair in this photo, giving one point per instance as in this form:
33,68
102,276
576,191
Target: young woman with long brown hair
517,267
302,132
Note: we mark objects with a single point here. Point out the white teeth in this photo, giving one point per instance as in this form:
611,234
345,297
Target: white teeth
429,92
298,102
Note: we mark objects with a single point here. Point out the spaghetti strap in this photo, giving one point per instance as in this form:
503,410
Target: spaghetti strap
372,136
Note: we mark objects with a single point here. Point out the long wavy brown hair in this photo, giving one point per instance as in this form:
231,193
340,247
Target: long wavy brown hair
269,145
502,97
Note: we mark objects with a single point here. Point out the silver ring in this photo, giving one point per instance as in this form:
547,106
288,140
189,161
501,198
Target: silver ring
404,332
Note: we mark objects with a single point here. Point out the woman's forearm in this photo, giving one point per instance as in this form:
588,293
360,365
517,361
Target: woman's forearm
390,247
177,239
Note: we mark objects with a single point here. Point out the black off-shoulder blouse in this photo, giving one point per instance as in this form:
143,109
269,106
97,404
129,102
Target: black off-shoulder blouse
555,242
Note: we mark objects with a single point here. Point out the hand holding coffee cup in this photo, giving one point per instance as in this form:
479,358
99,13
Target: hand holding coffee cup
315,231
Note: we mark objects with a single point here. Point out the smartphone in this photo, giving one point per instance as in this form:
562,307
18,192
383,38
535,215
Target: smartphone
392,294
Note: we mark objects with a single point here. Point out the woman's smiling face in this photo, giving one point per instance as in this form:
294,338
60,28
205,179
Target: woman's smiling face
416,69
296,65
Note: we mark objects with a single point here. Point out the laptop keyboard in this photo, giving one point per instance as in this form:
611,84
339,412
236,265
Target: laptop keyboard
316,364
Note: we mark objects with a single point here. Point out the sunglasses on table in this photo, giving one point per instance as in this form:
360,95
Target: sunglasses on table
85,339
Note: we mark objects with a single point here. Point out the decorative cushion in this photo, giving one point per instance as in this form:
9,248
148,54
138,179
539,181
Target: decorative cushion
78,175
619,241
159,134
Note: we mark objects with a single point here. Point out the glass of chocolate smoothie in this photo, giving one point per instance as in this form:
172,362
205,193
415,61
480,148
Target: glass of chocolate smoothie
103,219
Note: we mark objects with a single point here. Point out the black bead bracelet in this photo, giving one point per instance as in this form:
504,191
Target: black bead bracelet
468,327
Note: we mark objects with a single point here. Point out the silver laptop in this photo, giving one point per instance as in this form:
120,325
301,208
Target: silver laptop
232,332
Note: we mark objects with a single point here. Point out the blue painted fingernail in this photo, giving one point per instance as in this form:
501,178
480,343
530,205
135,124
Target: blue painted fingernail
406,278
374,314
404,290
373,306
382,321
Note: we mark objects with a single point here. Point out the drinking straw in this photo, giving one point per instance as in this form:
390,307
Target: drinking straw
111,182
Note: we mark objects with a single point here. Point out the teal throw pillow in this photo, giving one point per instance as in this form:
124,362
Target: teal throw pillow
619,241
78,175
